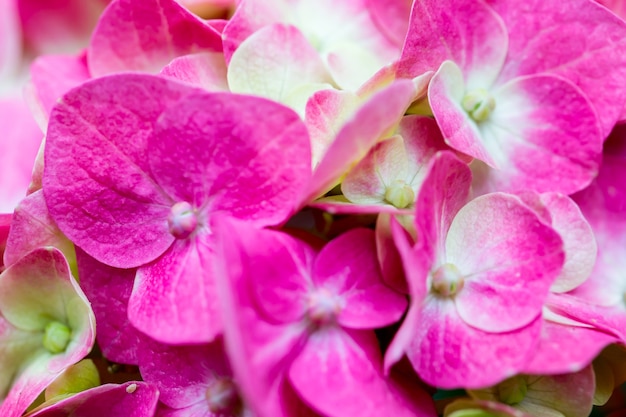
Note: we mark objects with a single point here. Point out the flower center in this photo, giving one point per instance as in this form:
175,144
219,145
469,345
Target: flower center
323,307
399,194
479,104
223,397
513,390
182,220
447,280
56,337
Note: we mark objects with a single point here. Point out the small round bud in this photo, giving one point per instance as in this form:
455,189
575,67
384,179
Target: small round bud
447,280
479,104
399,194
182,220
56,337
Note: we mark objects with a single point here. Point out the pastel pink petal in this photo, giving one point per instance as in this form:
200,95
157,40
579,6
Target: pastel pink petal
589,38
579,242
5,225
31,228
356,278
339,374
565,348
260,352
245,156
20,138
255,66
133,398
367,182
468,33
357,136
250,16
206,70
97,181
338,204
174,298
508,265
445,94
444,192
326,112
448,353
108,290
196,367
536,142
51,77
145,35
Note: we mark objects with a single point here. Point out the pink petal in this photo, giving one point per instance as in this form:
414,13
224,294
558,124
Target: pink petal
355,277
389,256
535,139
206,70
145,35
108,289
391,17
246,156
339,374
31,228
444,191
509,265
448,353
276,49
52,76
174,298
97,181
196,367
133,398
589,38
566,348
466,32
579,242
360,133
20,138
58,26
445,94
260,352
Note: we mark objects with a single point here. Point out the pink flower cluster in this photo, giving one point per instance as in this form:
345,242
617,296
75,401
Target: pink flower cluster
282,208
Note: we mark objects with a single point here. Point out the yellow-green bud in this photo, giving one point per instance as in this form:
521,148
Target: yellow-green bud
56,337
479,104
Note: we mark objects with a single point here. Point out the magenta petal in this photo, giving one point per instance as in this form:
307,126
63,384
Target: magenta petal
131,399
196,366
174,298
509,265
108,289
590,39
566,348
448,353
356,278
260,352
145,35
467,32
339,374
97,181
249,156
